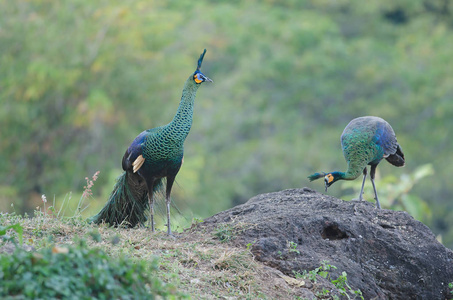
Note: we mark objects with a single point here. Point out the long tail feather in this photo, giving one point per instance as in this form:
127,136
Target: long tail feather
128,203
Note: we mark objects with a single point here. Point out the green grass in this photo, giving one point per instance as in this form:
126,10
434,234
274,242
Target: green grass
76,271
67,253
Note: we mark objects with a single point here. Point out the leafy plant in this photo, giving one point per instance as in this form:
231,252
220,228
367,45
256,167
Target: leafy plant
321,271
224,233
17,228
250,245
341,283
77,272
292,247
196,220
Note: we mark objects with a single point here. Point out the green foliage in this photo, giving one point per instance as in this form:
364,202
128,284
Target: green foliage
450,286
292,247
77,272
341,283
16,228
322,271
224,232
249,245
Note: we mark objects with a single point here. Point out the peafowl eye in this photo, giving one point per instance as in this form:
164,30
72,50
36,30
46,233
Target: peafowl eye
199,77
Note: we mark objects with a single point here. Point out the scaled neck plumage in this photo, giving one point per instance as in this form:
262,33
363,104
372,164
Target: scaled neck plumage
180,126
354,170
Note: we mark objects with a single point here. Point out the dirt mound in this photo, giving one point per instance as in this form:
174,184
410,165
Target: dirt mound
386,254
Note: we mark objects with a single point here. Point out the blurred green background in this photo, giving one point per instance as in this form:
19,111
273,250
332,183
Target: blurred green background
80,79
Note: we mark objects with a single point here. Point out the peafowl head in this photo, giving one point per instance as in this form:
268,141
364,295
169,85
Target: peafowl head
329,178
199,77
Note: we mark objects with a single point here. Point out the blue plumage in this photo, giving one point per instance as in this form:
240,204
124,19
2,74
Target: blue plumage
134,150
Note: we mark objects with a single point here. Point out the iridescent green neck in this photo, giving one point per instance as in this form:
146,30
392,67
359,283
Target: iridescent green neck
354,170
180,126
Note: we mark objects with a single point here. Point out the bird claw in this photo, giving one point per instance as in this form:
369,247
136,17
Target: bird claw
171,236
357,199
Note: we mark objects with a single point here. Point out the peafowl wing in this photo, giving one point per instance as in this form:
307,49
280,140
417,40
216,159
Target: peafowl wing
386,138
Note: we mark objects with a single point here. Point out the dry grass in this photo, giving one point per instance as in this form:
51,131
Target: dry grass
195,262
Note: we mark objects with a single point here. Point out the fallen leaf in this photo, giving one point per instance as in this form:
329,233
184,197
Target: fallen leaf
293,281
57,249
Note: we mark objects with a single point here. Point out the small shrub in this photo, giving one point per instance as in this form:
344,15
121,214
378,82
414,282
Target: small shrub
224,233
322,271
341,283
77,272
292,247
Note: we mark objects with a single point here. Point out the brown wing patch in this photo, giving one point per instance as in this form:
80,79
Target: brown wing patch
138,162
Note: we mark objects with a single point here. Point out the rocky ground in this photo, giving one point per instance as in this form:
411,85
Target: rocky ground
386,254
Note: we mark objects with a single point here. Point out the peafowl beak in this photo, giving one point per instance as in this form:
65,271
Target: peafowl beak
204,77
328,180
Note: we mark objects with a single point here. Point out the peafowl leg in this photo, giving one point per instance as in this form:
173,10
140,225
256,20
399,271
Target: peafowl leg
151,210
372,172
150,185
363,184
170,180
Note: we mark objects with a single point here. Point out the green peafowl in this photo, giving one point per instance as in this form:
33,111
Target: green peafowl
365,141
155,154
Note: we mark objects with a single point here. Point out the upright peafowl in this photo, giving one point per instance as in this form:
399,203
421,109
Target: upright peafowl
365,141
155,154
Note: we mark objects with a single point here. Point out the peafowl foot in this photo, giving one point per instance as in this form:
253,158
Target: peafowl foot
169,233
378,205
171,236
358,199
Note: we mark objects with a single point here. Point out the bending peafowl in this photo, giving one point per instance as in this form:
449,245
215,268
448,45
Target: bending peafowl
154,154
365,141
